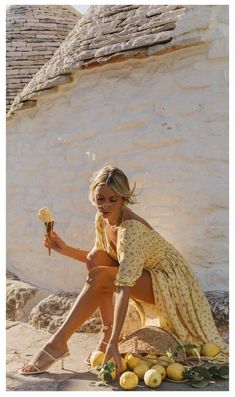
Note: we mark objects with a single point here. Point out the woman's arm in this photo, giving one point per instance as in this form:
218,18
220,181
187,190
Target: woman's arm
61,247
120,310
75,253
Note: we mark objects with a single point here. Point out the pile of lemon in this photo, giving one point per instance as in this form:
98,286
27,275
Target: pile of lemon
151,369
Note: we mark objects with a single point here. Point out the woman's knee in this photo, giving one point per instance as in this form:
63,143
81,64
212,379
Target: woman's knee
94,258
96,276
97,257
102,278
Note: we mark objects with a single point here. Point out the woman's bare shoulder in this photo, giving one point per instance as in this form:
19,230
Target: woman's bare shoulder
130,215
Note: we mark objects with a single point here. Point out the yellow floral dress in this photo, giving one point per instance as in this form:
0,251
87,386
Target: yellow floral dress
181,306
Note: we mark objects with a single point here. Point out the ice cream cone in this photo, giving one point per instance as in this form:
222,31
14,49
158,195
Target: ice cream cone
49,227
45,216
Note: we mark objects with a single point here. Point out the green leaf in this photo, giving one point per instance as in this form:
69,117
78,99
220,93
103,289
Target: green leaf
224,372
101,374
214,372
110,366
197,373
169,353
202,371
190,346
202,383
191,374
172,353
107,377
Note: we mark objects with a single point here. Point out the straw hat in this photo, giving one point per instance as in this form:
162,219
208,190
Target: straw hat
151,339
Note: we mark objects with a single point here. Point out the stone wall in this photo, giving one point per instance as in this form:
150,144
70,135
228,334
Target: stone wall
47,312
164,121
21,298
33,33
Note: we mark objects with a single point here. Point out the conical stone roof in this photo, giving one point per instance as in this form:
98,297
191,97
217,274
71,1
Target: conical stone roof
33,34
113,33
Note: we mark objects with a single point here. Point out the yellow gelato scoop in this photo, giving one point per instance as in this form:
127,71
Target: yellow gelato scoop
45,215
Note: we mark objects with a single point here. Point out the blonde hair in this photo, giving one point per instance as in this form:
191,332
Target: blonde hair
116,179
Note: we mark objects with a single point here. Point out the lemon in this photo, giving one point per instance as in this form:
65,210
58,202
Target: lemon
96,359
152,378
146,361
210,349
131,360
124,365
160,369
163,361
175,371
140,370
151,353
151,356
128,380
167,359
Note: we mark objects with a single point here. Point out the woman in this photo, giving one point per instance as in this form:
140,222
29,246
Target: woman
133,260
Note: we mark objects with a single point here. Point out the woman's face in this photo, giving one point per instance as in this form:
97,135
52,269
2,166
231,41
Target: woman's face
108,202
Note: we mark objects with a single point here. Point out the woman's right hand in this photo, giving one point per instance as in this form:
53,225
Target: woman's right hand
55,242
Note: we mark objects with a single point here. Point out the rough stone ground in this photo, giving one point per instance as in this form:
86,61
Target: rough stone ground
23,341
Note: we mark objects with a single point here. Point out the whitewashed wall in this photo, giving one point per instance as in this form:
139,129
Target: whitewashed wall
164,121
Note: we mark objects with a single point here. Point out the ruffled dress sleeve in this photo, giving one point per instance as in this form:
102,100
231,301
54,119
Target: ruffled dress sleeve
130,254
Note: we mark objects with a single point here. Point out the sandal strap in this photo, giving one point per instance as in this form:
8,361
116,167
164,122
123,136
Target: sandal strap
36,358
50,355
33,365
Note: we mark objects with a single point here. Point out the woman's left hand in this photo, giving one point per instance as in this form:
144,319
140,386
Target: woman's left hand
112,351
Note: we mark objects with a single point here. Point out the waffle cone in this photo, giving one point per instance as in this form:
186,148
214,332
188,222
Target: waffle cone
49,227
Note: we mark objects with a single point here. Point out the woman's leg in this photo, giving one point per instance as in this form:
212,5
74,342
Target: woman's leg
97,258
84,306
99,280
57,347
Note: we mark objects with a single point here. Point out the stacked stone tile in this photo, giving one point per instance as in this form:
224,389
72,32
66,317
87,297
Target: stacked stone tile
108,33
33,34
114,33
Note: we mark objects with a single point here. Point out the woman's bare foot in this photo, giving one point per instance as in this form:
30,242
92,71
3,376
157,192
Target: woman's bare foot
43,360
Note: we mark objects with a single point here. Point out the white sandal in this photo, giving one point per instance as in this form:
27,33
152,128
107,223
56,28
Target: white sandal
39,371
